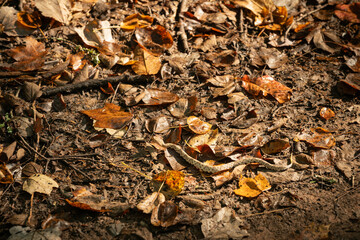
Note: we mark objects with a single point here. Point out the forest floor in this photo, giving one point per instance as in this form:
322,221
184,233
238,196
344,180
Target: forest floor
208,80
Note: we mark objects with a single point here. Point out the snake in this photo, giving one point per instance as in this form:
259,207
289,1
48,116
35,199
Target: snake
219,168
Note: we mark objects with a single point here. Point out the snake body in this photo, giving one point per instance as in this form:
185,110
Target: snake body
214,169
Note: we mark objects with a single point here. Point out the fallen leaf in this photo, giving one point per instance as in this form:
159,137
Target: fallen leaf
183,107
172,181
164,214
222,58
252,187
323,157
158,97
198,126
86,200
39,183
348,12
146,63
147,204
268,56
29,57
256,7
155,40
136,21
158,125
10,25
319,138
30,20
110,116
208,138
56,9
275,146
326,113
266,85
5,175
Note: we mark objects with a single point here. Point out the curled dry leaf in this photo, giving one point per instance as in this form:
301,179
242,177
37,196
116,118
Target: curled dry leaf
323,157
198,126
209,139
56,9
136,21
110,116
222,59
252,187
164,214
173,182
266,85
269,56
86,200
183,107
348,12
326,113
10,25
30,20
29,57
39,183
158,97
319,138
155,40
257,7
150,202
352,83
158,125
275,146
146,63
5,175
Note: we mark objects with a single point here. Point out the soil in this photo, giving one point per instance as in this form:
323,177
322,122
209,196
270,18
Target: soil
320,201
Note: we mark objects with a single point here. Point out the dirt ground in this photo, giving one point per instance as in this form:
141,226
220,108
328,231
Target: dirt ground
318,201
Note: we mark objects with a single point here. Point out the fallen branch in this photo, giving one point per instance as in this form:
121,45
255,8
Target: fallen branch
95,83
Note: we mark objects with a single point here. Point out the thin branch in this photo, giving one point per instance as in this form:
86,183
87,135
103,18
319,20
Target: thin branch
95,83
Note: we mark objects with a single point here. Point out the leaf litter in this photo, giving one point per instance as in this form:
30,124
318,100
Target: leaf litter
209,77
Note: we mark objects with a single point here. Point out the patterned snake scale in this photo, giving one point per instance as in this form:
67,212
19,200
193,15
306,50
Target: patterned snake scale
214,169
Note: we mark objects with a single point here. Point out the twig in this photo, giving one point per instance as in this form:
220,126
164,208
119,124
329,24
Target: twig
265,212
31,208
182,33
95,83
301,18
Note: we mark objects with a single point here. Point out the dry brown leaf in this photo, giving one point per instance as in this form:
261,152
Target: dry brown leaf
164,214
209,139
183,107
155,40
256,7
150,202
29,57
146,63
5,175
319,138
275,146
222,58
30,20
39,183
326,113
110,116
348,12
10,25
172,181
158,97
198,126
252,187
56,9
136,21
266,85
86,200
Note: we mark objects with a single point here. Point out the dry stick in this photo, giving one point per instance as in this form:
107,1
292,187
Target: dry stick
266,212
307,14
182,33
31,207
48,160
96,83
